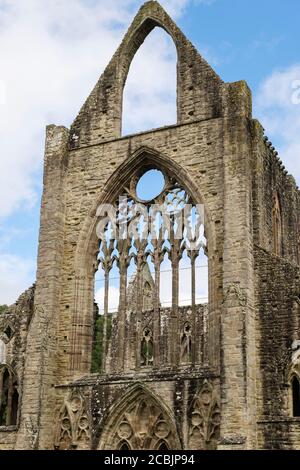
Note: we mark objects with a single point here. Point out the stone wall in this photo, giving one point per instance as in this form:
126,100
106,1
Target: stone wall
278,286
188,401
271,177
219,155
14,326
198,338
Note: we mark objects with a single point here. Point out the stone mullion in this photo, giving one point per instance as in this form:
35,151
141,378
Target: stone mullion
175,297
122,312
104,339
193,256
157,258
139,299
107,263
175,258
123,265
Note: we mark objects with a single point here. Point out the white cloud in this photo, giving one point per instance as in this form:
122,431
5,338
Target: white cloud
52,52
15,274
176,8
113,298
145,92
279,112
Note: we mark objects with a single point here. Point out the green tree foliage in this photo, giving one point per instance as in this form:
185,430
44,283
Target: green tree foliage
3,308
97,353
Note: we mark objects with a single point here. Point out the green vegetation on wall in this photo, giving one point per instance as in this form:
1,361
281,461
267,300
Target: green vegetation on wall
97,353
3,308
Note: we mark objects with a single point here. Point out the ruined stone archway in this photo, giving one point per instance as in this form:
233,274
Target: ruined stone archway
87,249
139,421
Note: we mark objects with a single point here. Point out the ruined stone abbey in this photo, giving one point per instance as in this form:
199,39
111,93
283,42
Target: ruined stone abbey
224,374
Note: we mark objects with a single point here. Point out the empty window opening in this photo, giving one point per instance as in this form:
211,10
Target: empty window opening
150,185
149,99
9,397
152,267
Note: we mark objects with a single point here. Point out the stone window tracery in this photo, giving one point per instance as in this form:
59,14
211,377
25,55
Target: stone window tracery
140,424
73,428
145,233
205,418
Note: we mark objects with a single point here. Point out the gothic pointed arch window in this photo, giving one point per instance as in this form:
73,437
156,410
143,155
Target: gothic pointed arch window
145,225
277,225
124,446
163,446
145,90
9,397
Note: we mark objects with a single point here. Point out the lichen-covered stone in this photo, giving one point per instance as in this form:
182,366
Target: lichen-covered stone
237,394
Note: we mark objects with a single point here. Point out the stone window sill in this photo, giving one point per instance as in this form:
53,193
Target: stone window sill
8,428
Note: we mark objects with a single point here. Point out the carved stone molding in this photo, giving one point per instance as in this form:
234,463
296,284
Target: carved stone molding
8,326
31,432
233,441
235,293
140,423
74,424
204,426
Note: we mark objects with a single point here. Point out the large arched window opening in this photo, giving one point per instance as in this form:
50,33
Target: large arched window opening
9,397
153,223
149,97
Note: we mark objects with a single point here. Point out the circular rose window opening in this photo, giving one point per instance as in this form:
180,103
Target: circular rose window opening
150,185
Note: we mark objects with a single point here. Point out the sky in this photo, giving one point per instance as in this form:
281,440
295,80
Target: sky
52,52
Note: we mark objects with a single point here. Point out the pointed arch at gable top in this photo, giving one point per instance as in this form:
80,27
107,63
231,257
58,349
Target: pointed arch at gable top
150,85
135,41
199,90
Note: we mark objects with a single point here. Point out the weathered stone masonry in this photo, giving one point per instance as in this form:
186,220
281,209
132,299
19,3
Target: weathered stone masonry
231,386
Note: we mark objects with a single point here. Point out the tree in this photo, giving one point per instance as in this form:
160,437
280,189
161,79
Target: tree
3,308
97,353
